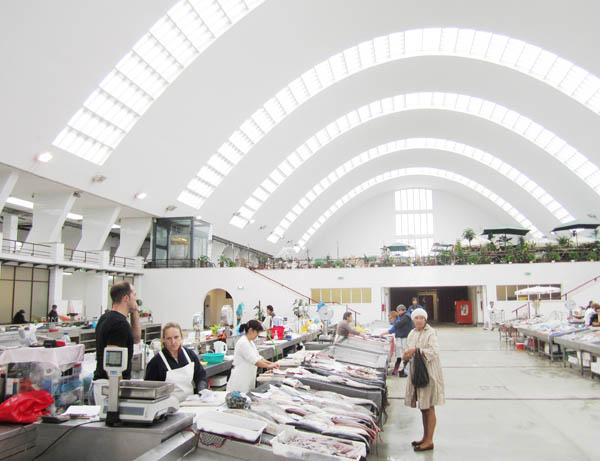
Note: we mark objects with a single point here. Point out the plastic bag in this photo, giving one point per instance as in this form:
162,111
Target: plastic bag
25,407
237,400
420,376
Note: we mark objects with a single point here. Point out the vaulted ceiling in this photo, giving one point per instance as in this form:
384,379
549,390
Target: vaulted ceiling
265,117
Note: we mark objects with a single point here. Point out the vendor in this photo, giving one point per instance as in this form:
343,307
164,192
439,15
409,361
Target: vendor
246,359
594,317
268,322
176,364
53,314
19,317
344,328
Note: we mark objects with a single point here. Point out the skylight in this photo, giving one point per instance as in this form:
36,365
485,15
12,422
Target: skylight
144,73
512,174
531,60
403,172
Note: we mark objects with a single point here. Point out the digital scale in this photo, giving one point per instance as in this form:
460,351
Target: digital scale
130,401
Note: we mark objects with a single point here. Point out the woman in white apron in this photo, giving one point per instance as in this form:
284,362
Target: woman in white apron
246,359
176,364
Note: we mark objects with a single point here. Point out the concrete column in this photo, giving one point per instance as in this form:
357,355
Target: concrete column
55,286
49,214
7,183
133,234
97,223
10,226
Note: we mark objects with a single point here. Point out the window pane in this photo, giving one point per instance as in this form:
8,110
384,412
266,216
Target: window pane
326,295
336,295
366,295
356,295
23,273
346,295
23,297
39,302
7,273
501,292
6,299
510,293
315,294
41,275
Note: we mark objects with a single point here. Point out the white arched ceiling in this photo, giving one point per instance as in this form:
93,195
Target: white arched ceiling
507,118
531,60
422,171
489,160
143,74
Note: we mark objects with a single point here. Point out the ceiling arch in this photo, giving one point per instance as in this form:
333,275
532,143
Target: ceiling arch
485,158
566,154
144,73
542,65
419,171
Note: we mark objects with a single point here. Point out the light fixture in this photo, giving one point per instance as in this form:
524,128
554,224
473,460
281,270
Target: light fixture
141,195
44,157
99,178
170,208
198,217
116,226
252,221
67,273
263,227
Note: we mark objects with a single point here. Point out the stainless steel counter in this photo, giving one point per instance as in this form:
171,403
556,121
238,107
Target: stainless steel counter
16,440
96,441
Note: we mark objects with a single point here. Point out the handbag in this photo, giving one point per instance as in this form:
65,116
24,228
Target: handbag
420,375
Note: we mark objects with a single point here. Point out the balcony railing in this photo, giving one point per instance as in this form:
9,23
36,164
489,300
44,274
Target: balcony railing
83,257
36,250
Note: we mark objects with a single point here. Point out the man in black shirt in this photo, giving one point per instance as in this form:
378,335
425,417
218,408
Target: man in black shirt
113,329
19,317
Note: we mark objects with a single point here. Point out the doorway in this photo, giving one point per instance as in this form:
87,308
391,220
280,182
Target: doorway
437,301
213,305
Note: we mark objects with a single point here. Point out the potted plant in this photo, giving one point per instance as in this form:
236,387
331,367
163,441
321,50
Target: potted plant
327,261
338,263
223,260
203,261
468,234
262,261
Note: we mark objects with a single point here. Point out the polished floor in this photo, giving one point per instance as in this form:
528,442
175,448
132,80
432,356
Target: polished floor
502,404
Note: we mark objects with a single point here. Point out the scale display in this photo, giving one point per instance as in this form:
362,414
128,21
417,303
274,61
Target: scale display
113,358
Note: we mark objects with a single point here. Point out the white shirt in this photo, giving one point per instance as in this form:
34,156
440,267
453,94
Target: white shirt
588,315
491,308
243,375
267,322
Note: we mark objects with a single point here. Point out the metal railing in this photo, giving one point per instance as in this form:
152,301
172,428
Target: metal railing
80,256
38,250
126,263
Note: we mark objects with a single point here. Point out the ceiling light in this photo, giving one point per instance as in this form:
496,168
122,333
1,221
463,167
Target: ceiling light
252,221
116,226
141,195
19,202
99,178
198,217
44,157
170,208
75,217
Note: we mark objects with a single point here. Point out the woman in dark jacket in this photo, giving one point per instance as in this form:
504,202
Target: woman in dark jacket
400,329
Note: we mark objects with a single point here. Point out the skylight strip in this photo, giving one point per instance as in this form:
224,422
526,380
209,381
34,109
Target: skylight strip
423,171
153,63
529,186
501,50
507,118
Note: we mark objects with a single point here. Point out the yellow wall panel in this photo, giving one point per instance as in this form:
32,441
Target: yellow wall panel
346,295
366,295
336,295
356,295
326,295
315,294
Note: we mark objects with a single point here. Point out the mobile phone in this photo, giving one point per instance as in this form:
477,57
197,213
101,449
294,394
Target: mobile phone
55,419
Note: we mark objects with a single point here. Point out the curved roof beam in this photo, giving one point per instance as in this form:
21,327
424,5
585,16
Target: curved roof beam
495,113
421,171
531,60
143,74
489,160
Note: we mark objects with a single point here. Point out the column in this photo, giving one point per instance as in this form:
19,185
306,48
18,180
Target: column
97,223
10,226
133,233
55,286
49,214
7,183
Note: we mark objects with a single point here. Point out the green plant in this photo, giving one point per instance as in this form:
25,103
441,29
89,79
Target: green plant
203,261
472,259
318,263
223,260
468,234
214,329
592,256
554,256
260,314
328,260
564,242
573,255
459,253
338,263
262,259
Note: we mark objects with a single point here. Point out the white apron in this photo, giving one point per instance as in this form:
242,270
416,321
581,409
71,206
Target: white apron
182,377
243,374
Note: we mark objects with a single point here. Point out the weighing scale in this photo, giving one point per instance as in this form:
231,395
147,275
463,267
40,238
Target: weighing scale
130,401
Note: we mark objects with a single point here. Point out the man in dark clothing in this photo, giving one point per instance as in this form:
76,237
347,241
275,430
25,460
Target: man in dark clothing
19,317
53,314
113,329
400,329
415,305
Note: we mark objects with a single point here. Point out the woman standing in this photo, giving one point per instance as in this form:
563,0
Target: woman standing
402,325
246,359
176,364
424,339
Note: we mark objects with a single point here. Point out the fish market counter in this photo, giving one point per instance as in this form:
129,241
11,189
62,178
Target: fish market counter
96,441
16,439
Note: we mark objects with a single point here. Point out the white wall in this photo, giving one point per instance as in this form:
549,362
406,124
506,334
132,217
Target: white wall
175,294
355,233
88,287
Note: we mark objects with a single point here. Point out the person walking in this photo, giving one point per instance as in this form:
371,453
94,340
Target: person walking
423,338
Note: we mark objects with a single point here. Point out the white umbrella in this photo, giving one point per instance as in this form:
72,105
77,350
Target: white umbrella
537,290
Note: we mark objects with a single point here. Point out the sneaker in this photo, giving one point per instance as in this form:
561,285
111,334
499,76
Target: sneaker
402,374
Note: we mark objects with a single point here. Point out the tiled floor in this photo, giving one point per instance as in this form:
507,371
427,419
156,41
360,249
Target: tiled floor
502,404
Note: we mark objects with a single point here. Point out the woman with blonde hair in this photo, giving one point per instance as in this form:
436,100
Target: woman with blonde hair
423,339
176,364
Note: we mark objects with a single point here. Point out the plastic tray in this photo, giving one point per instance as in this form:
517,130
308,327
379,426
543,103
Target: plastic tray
217,422
213,358
282,448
